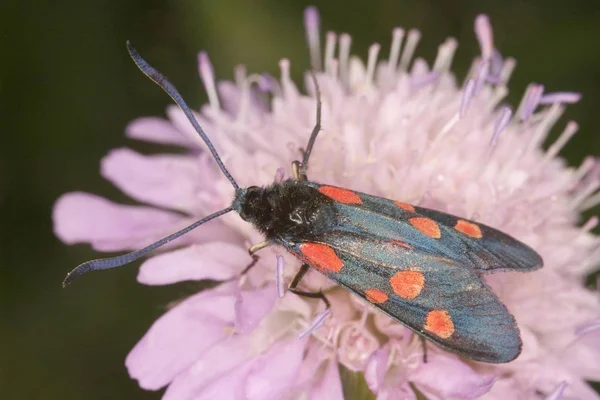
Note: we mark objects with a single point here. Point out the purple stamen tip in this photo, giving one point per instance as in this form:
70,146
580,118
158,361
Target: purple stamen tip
501,123
532,100
311,17
316,324
557,392
279,277
279,175
589,327
265,83
424,80
560,97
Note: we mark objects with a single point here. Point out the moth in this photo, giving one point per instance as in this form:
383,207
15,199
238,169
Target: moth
421,267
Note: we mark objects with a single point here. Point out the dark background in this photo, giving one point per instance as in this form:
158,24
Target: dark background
68,88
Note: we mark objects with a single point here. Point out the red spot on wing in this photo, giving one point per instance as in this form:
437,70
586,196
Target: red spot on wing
427,226
405,206
321,257
400,243
340,195
376,296
439,323
407,284
468,228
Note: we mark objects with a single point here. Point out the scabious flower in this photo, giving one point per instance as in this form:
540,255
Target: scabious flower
393,127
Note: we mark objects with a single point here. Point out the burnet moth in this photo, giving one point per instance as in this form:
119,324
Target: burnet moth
421,267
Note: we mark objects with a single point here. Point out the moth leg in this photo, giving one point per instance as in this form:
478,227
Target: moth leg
296,174
424,344
253,249
296,281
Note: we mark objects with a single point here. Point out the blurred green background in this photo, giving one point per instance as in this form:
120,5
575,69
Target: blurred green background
68,88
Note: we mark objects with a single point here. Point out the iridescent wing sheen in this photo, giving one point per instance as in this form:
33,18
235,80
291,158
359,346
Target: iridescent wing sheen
434,296
419,266
471,244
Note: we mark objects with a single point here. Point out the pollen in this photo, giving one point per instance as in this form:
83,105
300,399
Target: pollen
321,257
427,226
468,228
376,296
340,195
439,323
407,284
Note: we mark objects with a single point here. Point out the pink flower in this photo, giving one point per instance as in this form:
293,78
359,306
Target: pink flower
396,128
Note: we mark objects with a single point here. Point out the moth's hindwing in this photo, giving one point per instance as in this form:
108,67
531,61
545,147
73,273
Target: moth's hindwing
422,268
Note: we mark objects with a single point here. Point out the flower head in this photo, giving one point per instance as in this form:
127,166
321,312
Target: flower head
394,127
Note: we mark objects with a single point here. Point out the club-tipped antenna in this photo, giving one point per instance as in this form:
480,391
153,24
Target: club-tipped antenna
168,87
113,262
316,129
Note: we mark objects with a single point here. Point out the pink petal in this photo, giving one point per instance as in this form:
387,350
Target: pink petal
167,181
376,368
86,218
157,130
107,226
275,373
212,260
179,338
330,387
446,376
212,365
400,390
252,306
229,386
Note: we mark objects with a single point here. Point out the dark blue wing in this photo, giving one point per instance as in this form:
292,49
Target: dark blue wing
471,244
433,296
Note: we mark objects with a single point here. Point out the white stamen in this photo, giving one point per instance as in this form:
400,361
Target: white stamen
311,24
583,194
483,30
501,124
445,129
286,81
207,74
507,69
591,202
279,270
329,49
445,54
586,166
316,323
345,42
333,69
409,48
557,392
467,95
239,72
570,130
397,36
589,225
560,97
544,126
372,63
